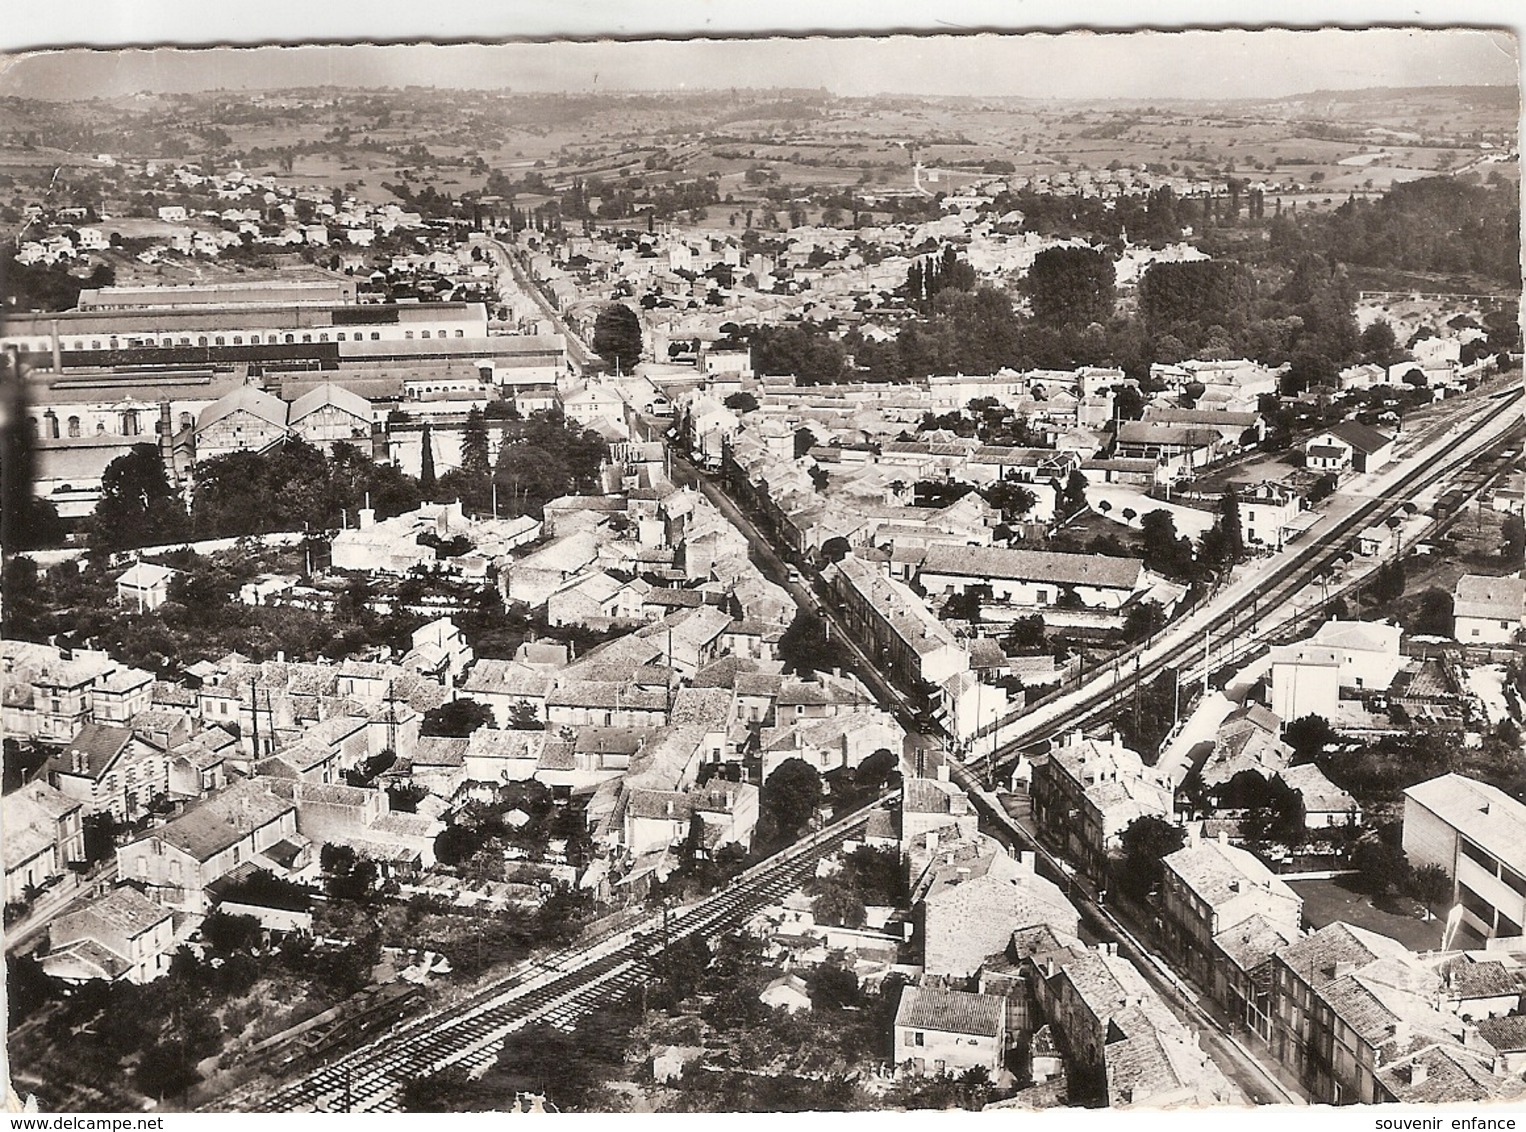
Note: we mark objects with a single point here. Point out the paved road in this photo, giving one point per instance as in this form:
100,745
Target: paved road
581,357
684,472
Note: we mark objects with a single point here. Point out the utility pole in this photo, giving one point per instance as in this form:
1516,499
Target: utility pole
1207,657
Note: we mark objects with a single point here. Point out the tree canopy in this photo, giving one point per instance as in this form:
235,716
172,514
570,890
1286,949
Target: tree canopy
617,336
1070,286
137,507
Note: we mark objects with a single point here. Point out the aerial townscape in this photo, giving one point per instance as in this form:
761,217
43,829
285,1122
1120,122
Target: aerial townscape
724,593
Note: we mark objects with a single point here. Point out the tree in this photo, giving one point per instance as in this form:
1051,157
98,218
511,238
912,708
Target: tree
832,987
1146,842
617,336
1431,885
839,906
426,463
1027,634
1012,499
806,648
522,717
1068,286
1382,865
1379,344
1513,540
100,833
790,795
137,505
1144,620
835,549
1308,736
435,1092
225,934
876,769
676,971
1073,498
456,719
1164,552
1388,583
964,606
1434,617
474,447
741,402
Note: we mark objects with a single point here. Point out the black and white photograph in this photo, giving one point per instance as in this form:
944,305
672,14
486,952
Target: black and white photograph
875,571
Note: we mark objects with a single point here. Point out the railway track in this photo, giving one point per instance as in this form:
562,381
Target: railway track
561,989
1287,579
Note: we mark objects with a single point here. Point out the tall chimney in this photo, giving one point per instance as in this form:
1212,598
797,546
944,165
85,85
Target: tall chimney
58,354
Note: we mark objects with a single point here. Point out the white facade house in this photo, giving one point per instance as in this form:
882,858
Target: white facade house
1488,611
1267,514
1033,578
949,1031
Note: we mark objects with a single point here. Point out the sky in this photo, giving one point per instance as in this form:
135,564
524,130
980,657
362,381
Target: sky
1201,64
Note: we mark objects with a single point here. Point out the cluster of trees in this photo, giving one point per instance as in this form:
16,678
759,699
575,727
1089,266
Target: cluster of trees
48,286
1154,218
1288,300
1173,555
1146,843
293,487
868,877
787,802
1432,226
929,276
539,459
479,828
201,621
150,1038
296,486
347,875
1069,286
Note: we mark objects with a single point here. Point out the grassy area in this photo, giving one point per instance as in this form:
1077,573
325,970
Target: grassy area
1403,919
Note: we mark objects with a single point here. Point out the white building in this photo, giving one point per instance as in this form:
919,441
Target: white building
1488,611
1477,833
949,1031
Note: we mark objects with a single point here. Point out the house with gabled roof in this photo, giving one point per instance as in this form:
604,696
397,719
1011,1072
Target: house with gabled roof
120,936
1088,791
1446,1074
510,688
43,835
144,586
246,420
1033,578
109,768
1348,445
949,1031
1125,1046
176,861
330,413
1488,611
1209,890
969,899
830,743
1347,1001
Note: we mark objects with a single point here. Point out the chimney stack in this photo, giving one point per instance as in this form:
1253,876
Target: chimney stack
1417,1072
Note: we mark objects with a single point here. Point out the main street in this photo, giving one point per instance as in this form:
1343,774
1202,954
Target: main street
513,279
